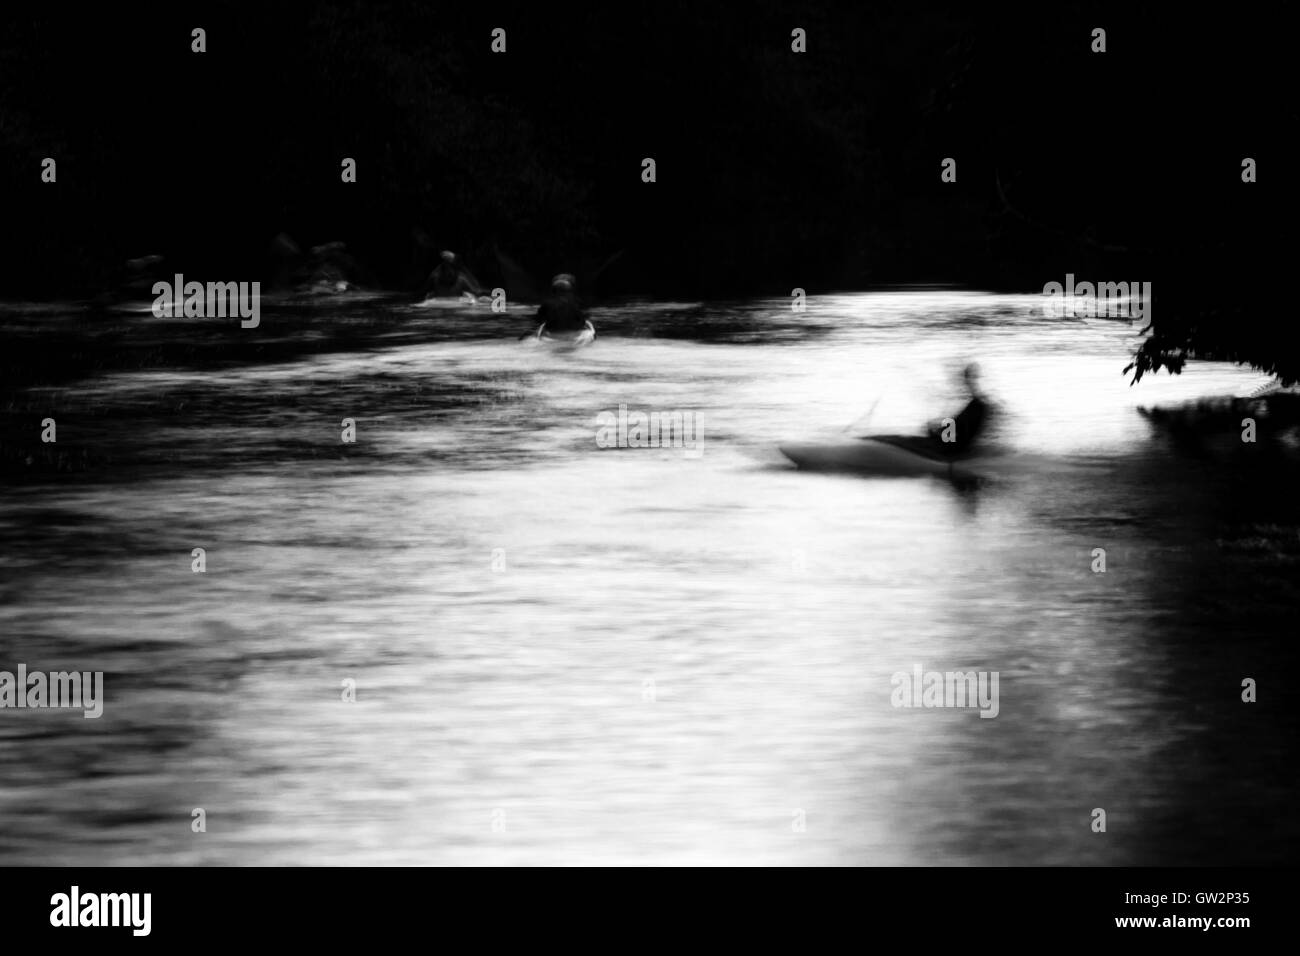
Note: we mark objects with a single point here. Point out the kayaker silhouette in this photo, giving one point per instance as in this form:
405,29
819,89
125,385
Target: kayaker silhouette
948,449
561,313
953,437
450,278
958,438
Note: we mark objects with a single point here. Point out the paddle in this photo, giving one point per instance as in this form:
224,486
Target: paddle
862,419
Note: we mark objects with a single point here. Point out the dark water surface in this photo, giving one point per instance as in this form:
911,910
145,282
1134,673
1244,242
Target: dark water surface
675,659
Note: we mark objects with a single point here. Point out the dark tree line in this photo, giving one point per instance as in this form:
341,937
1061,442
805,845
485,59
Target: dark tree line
774,169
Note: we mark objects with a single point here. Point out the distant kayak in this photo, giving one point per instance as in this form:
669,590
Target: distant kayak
887,456
563,340
464,300
432,303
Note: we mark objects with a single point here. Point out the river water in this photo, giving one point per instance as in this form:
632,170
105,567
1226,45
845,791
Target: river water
568,654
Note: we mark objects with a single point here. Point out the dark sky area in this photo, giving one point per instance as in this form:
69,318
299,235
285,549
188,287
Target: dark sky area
775,169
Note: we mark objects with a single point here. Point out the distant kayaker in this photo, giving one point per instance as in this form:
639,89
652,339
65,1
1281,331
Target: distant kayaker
957,436
561,314
450,278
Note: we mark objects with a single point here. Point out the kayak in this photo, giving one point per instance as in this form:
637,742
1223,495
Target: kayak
563,340
882,455
461,301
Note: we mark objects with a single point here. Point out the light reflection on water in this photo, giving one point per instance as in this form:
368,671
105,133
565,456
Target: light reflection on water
522,696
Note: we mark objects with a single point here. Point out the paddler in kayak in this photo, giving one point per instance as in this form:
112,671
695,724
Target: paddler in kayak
954,437
450,279
561,315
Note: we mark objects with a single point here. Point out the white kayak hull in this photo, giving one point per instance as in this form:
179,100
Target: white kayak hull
463,301
871,457
563,340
